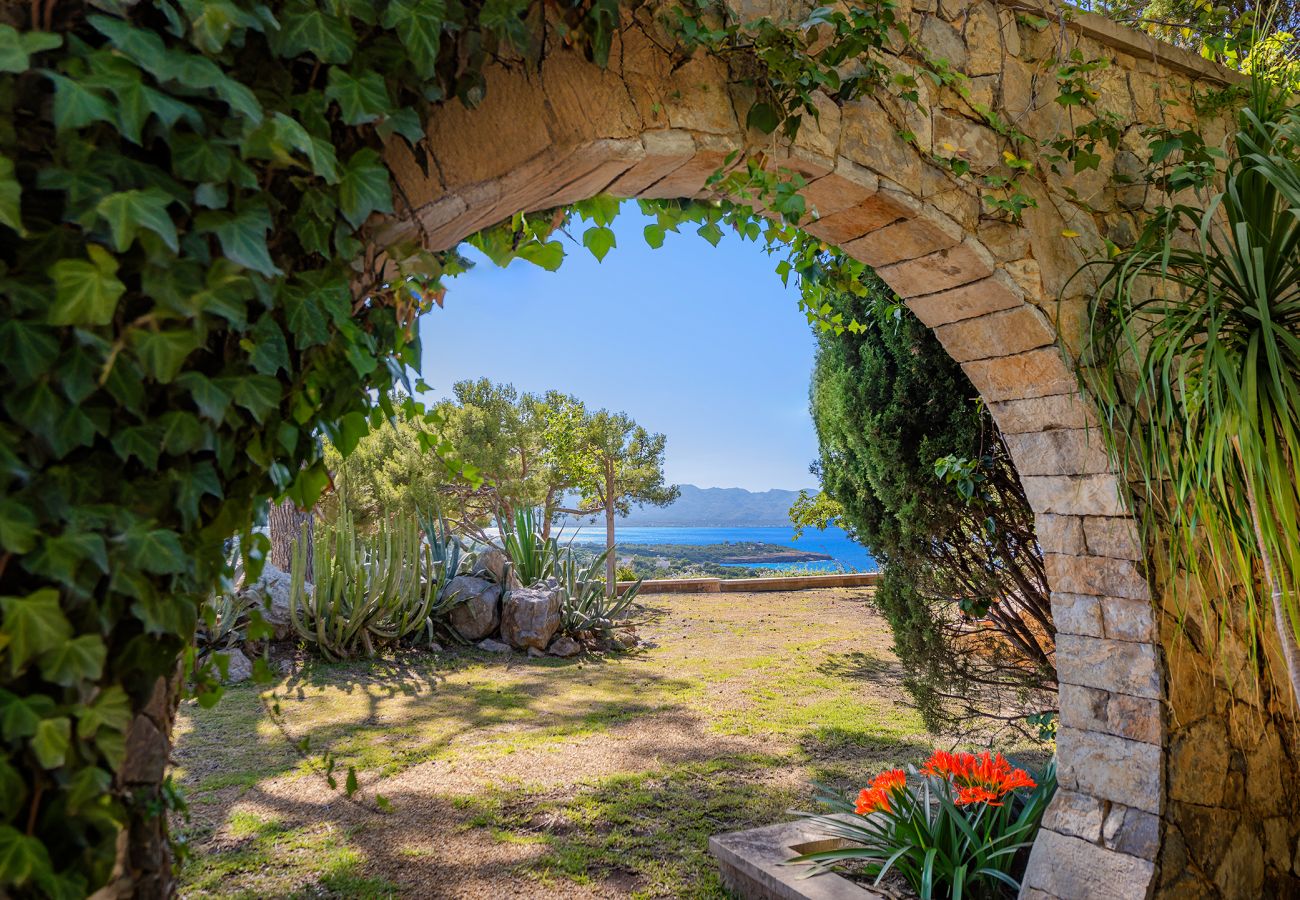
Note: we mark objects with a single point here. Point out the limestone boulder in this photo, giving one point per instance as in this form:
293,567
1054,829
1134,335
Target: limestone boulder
239,667
492,646
270,595
564,647
495,566
530,617
477,607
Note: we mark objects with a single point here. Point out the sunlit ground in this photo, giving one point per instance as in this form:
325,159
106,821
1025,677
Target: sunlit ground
545,778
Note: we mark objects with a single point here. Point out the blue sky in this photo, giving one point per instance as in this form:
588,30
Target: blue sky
708,348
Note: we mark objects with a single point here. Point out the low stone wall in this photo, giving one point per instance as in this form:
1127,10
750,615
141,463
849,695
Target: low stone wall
746,585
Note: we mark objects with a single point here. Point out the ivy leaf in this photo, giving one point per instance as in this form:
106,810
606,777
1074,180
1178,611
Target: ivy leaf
60,557
163,352
128,211
11,195
242,236
87,786
111,710
270,351
33,625
599,240
419,27
362,99
13,790
144,442
22,858
259,394
27,349
764,117
76,106
305,29
17,526
16,48
654,236
364,188
19,716
51,740
405,122
156,550
80,659
211,400
710,232
549,254
85,292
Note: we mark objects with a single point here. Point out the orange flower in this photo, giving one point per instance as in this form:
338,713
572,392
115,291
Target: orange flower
986,778
876,797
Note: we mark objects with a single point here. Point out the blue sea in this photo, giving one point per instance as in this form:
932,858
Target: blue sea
833,541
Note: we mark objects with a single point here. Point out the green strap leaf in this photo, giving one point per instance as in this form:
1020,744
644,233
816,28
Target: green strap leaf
85,291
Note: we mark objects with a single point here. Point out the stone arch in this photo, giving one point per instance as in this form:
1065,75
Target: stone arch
995,295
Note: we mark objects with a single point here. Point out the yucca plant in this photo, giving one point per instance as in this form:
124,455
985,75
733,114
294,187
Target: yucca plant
532,556
957,828
368,592
1196,353
584,606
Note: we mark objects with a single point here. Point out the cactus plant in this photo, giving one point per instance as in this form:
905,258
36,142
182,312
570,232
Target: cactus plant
368,592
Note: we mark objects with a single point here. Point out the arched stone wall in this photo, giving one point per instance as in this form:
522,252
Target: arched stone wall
1124,823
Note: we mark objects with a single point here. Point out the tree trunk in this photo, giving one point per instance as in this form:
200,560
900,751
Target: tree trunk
611,586
143,870
286,521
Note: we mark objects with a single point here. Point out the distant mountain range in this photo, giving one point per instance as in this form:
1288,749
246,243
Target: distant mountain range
718,507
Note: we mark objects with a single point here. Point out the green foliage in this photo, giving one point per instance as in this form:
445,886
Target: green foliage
963,583
940,844
817,510
369,592
1204,339
532,556
585,607
224,622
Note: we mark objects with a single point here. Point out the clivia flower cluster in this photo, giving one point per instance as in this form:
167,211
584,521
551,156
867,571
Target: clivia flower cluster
984,778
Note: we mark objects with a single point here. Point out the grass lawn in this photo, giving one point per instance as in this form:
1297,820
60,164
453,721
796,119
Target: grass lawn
485,776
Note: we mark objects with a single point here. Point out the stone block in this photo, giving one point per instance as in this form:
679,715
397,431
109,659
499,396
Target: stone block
1070,410
1100,576
1114,537
1075,814
903,240
1038,373
1132,831
997,334
1077,614
988,295
1059,451
1073,495
870,138
875,211
1067,868
1120,666
1109,767
958,137
1093,709
849,185
687,180
962,264
664,152
1128,620
1059,534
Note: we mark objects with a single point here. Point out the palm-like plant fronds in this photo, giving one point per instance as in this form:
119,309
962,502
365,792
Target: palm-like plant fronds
1195,346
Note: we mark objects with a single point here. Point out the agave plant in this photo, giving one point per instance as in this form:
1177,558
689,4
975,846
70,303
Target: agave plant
448,552
1213,326
534,558
369,592
584,607
223,623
